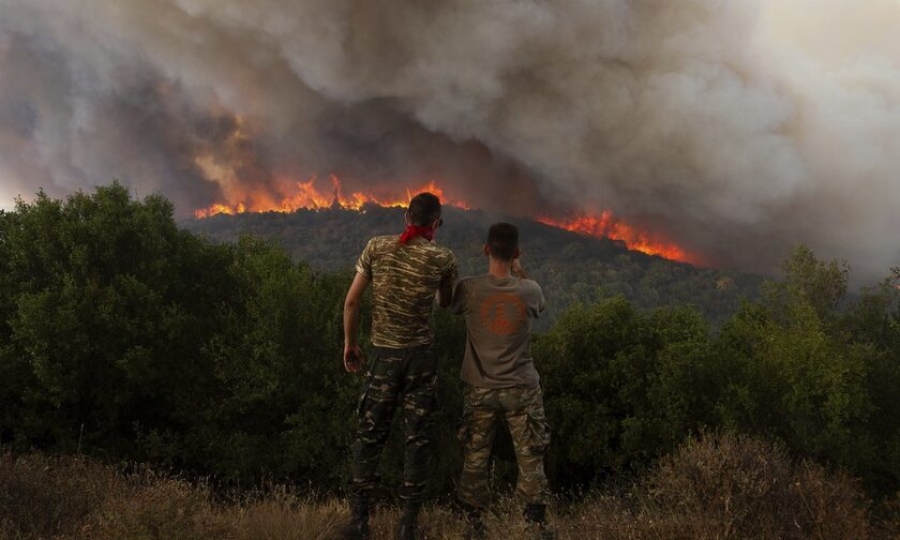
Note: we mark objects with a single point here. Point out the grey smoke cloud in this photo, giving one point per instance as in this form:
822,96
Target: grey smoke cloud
737,129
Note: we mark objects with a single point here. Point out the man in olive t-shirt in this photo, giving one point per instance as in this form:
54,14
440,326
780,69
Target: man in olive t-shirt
501,380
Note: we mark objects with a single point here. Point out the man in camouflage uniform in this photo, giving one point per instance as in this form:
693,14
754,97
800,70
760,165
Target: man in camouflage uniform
405,272
501,380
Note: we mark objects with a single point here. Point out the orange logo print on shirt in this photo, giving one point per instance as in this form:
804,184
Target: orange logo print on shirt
502,313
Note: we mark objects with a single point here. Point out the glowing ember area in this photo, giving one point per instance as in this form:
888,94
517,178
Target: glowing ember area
305,196
607,226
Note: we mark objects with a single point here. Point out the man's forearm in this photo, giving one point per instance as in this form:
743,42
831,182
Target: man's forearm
351,323
352,304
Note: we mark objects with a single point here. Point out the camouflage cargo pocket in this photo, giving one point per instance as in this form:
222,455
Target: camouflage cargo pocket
538,431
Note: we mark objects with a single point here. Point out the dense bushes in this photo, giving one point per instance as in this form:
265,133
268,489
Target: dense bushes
625,386
124,336
622,386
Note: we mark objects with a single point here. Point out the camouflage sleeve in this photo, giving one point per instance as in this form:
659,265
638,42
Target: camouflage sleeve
364,263
450,274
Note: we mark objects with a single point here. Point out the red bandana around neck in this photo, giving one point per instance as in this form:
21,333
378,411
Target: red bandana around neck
413,231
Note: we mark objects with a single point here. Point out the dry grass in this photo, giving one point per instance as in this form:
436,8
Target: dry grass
713,488
730,487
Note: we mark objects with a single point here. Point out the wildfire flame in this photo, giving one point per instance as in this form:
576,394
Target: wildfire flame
607,226
305,196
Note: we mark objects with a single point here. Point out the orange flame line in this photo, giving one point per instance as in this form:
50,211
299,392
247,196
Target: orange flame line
607,226
307,196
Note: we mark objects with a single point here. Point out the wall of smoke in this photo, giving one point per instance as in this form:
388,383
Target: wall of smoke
737,129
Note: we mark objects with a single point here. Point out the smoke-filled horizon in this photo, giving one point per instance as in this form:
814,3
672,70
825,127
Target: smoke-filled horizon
735,129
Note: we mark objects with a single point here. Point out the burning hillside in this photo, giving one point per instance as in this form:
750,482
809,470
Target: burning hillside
605,225
306,196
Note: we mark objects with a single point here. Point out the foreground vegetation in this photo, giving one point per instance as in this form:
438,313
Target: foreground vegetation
126,338
712,488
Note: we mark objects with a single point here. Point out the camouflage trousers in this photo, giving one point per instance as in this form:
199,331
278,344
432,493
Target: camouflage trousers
523,409
405,377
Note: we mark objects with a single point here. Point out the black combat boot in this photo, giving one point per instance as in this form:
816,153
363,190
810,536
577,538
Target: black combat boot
471,516
406,530
357,527
475,528
536,527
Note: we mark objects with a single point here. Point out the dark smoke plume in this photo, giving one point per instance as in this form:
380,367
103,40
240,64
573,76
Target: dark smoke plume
737,129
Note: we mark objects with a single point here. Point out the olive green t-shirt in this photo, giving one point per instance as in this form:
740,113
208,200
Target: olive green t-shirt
498,313
404,281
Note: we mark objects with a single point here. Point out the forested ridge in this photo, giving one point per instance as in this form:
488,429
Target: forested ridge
125,336
572,268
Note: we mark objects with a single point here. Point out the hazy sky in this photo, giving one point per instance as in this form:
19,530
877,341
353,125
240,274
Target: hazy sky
737,128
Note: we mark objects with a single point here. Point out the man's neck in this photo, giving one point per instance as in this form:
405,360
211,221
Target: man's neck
499,269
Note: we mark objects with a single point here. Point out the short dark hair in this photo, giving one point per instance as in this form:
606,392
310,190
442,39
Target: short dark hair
503,241
424,209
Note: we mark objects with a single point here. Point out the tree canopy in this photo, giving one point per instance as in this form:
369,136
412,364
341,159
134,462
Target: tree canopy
126,336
